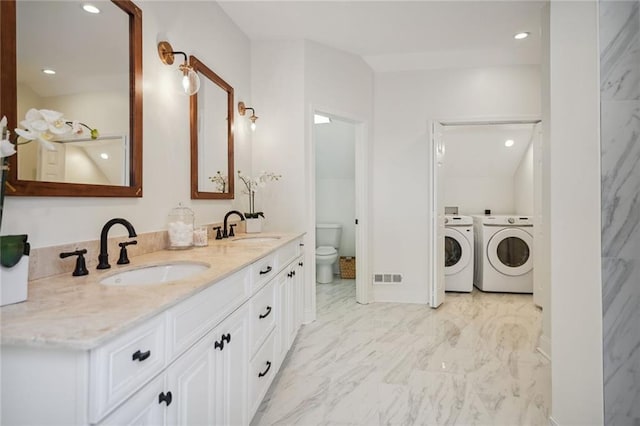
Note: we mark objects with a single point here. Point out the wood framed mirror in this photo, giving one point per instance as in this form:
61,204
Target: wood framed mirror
98,81
211,119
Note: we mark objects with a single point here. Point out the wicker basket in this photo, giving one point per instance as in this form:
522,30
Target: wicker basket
347,267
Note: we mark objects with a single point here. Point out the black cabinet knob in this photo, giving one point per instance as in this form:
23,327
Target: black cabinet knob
165,397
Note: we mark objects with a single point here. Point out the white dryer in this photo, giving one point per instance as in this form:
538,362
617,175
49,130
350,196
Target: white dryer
504,253
458,253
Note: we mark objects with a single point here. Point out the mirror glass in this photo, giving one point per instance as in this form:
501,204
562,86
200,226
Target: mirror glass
211,136
96,60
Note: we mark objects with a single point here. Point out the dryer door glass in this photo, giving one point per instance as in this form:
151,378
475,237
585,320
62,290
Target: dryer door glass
513,252
452,251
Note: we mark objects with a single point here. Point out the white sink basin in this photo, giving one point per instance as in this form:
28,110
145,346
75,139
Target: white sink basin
256,239
157,274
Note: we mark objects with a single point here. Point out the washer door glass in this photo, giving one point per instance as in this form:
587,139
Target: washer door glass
452,251
509,251
457,251
513,251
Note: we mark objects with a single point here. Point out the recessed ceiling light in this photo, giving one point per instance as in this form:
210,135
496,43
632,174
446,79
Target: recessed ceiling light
321,119
521,36
104,156
48,71
509,142
90,8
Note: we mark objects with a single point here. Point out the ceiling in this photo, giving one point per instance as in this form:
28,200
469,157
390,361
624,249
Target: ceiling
401,35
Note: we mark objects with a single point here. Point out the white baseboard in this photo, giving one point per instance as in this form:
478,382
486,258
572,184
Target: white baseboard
544,347
552,422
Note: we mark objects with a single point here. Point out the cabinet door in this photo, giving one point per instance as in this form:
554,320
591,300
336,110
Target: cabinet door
299,294
232,363
291,303
191,384
208,383
143,409
282,326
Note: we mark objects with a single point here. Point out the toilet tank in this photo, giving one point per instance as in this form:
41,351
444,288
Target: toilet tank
328,234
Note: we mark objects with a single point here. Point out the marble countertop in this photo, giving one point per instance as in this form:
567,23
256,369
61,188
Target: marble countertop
80,313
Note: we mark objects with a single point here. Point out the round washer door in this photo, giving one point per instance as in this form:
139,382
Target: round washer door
457,251
510,251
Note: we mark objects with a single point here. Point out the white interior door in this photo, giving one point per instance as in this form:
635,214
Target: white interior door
51,164
437,215
538,225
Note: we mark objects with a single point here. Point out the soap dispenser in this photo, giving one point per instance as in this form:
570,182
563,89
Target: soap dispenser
180,228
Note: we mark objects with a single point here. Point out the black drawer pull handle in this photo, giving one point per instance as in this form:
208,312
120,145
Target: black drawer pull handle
262,316
264,373
226,337
300,264
293,273
140,356
166,398
266,271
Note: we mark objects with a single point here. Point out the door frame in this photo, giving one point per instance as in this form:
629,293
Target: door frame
434,298
362,188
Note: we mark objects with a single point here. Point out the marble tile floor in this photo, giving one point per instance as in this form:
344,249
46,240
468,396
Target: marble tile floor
473,361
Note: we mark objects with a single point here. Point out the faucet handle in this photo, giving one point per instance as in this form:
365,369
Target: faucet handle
231,233
124,258
218,232
81,265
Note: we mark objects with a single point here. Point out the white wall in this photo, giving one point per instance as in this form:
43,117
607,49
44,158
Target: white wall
404,102
201,29
542,193
523,184
576,290
289,80
335,180
277,81
472,195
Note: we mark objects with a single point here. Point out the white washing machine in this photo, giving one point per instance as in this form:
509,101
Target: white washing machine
504,253
458,253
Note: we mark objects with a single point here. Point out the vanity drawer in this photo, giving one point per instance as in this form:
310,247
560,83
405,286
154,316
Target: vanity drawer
263,313
289,252
263,270
261,372
193,318
122,366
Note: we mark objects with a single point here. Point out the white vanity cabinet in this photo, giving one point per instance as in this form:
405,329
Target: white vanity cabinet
207,360
290,294
204,386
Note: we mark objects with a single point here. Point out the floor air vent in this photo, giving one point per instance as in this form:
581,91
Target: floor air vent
387,278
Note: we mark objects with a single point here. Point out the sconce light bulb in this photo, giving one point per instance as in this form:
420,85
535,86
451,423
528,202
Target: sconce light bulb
253,126
190,80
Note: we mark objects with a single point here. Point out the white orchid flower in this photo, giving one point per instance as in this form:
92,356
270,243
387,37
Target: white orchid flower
76,127
6,148
43,125
3,123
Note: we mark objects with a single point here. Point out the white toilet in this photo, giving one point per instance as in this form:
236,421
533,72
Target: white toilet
327,244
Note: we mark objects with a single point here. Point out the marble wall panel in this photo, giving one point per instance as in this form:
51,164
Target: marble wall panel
620,166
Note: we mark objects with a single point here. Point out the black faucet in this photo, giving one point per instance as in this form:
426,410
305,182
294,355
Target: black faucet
225,232
103,257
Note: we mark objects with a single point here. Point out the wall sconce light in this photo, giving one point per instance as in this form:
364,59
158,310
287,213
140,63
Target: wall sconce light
190,79
242,109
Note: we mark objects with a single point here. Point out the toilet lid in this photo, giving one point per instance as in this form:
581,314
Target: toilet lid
325,250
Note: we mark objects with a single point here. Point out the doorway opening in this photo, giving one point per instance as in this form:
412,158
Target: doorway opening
480,170
337,227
